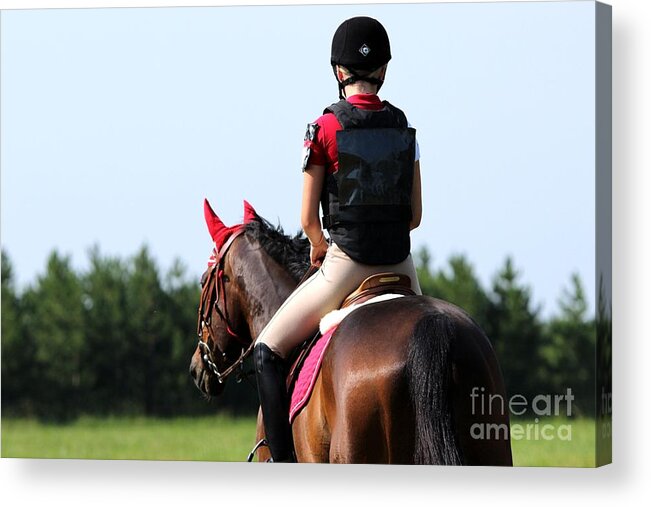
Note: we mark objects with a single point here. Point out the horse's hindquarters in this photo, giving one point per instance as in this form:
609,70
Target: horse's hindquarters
365,406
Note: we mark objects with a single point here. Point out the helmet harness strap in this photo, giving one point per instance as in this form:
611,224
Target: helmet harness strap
353,79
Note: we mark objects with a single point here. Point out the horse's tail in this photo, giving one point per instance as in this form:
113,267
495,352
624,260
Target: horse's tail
429,370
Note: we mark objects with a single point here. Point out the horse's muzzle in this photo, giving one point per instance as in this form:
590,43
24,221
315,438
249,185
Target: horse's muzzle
205,381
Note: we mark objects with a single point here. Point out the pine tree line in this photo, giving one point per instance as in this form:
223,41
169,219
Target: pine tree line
117,339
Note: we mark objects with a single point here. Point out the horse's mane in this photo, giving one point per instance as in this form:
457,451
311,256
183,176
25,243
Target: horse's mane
293,253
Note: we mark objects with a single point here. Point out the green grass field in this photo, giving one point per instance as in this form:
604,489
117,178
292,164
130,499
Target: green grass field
182,439
577,452
222,438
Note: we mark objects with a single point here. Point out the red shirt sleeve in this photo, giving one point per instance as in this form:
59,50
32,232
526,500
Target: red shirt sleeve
323,144
315,145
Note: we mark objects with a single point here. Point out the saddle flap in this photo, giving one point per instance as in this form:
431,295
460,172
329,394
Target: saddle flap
380,283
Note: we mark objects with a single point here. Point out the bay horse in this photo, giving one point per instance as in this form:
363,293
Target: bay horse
412,380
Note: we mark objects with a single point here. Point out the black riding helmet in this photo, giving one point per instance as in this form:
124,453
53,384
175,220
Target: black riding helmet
360,44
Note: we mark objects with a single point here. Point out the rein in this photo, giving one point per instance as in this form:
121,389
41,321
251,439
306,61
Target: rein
213,290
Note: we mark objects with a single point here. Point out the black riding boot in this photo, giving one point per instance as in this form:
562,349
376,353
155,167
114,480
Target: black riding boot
271,373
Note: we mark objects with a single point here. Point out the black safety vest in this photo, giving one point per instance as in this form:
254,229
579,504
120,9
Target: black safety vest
367,202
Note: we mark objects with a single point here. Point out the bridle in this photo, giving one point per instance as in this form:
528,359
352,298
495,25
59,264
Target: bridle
212,292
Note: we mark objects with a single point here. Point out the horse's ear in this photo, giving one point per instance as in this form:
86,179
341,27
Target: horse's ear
249,213
215,226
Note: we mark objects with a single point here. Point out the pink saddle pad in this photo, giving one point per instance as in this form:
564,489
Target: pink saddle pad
307,375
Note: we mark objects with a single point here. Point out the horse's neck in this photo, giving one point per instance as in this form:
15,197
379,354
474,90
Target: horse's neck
265,286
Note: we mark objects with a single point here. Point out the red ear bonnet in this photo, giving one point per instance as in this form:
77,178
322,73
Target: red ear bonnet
249,213
218,231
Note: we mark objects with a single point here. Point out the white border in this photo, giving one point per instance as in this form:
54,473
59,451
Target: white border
63,4
110,483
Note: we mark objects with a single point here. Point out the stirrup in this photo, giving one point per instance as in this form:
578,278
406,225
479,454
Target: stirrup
261,443
290,460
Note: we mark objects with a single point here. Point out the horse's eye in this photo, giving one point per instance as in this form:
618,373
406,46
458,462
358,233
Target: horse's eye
204,277
225,278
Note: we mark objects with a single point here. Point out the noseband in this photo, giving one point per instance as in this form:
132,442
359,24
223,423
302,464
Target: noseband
213,290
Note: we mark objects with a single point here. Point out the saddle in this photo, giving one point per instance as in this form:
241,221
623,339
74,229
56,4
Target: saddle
374,285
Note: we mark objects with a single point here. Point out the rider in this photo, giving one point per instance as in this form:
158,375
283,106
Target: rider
361,164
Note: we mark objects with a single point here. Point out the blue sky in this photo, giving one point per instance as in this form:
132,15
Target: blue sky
116,123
